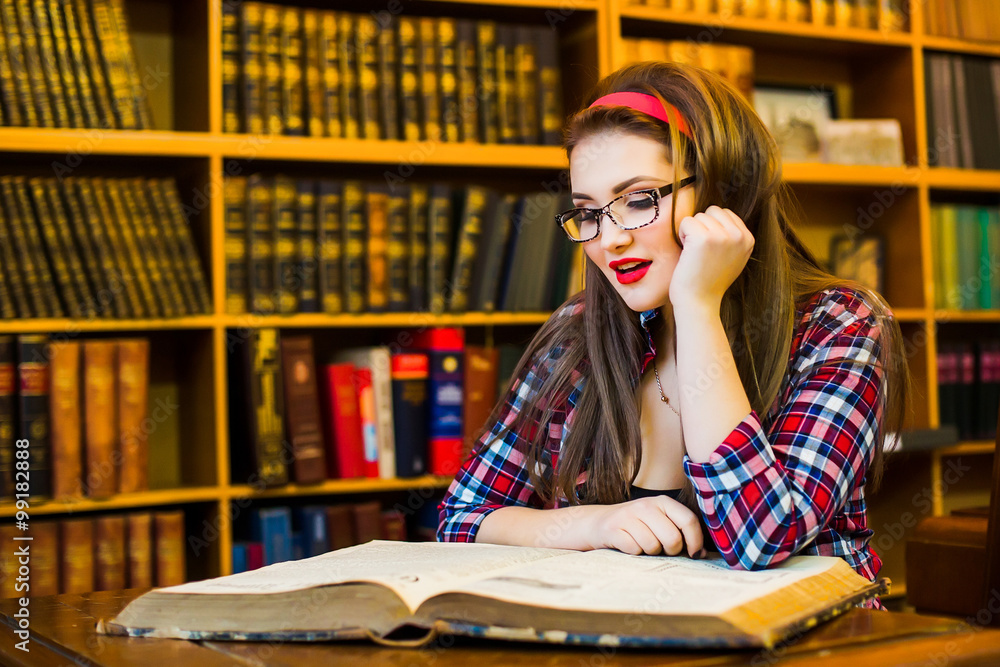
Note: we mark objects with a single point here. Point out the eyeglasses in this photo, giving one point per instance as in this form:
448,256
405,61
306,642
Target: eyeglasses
630,211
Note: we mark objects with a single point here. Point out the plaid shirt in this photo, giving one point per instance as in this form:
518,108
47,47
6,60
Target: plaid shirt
790,482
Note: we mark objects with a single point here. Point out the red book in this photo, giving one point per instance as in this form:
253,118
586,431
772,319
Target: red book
255,555
445,350
345,444
362,379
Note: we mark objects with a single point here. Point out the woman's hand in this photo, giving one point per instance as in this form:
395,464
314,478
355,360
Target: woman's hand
716,245
649,526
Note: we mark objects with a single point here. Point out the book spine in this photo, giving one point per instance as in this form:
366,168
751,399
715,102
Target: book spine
444,348
439,247
67,72
397,251
550,106
153,238
329,235
252,51
17,283
340,526
377,228
50,64
131,255
307,256
353,219
20,260
388,94
409,82
8,416
260,246
192,264
348,63
113,60
184,294
9,96
231,55
33,410
109,291
292,65
267,403
7,310
100,418
40,228
495,250
44,551
486,59
109,548
18,64
87,306
393,525
345,452
468,102
480,385
428,76
285,241
61,282
315,94
330,49
147,257
168,541
139,551
417,247
140,102
77,563
366,44
506,75
410,375
305,432
271,65
80,10
33,66
33,263
362,380
526,69
447,62
122,268
66,434
466,248
367,521
133,406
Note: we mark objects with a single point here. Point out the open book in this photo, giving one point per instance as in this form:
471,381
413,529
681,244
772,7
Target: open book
602,597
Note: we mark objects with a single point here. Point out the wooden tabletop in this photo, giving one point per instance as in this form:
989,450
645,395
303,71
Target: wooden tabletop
62,633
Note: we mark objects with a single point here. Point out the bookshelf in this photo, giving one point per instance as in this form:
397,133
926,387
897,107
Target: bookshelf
875,74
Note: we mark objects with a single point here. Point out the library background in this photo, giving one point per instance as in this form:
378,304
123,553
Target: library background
266,266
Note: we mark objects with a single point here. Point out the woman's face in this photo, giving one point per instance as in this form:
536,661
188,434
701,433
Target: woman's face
639,262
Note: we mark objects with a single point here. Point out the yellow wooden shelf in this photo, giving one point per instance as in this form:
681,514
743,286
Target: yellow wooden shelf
910,314
589,5
69,326
935,43
968,448
840,174
79,143
117,502
340,486
963,179
320,320
944,316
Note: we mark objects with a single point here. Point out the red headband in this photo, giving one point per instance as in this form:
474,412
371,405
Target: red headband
647,104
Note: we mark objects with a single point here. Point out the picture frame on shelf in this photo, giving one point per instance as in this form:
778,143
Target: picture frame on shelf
797,118
858,258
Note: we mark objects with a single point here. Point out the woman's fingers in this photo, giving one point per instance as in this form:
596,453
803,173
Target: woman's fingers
664,530
684,520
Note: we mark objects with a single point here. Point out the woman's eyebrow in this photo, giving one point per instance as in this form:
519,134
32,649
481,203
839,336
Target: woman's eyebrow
621,186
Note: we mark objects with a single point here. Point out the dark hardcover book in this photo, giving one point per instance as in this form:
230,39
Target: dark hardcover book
989,387
564,255
445,350
330,235
33,412
33,66
270,37
15,281
366,46
427,73
314,100
307,253
169,541
110,300
285,245
513,257
100,418
139,549
961,103
550,106
132,391
388,94
966,391
127,55
252,59
410,403
350,118
256,419
480,385
18,65
330,48
231,56
50,64
377,245
97,196
76,258
467,98
340,526
33,265
67,72
439,247
10,102
507,101
486,59
234,192
61,280
982,113
7,305
239,557
447,64
192,263
133,252
948,375
930,105
99,85
272,526
36,226
22,272
113,60
260,245
292,66
417,244
393,525
8,416
526,85
510,354
137,218
77,563
302,415
478,201
409,78
311,522
398,250
367,521
354,241
153,238
493,248
173,254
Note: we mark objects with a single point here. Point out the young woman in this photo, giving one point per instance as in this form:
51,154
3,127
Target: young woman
712,387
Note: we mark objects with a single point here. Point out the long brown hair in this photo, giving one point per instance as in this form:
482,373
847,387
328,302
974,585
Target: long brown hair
737,167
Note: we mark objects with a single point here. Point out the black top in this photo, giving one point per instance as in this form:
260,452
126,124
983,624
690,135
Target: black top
635,492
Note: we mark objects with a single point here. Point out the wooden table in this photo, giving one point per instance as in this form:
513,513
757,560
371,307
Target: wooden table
62,633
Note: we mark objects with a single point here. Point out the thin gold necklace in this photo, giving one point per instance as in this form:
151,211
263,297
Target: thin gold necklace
663,397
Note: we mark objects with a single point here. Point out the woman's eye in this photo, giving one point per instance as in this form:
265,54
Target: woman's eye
641,202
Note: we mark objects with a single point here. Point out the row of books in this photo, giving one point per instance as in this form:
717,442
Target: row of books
964,19
97,248
963,111
966,256
95,553
731,62
284,533
82,407
302,245
294,71
886,15
969,387
69,63
375,411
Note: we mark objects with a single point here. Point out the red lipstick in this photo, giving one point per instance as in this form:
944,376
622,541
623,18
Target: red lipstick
633,273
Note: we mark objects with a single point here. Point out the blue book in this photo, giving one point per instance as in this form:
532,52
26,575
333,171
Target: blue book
272,527
239,557
311,521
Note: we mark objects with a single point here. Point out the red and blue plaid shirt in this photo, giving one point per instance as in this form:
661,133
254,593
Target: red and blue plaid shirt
790,482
